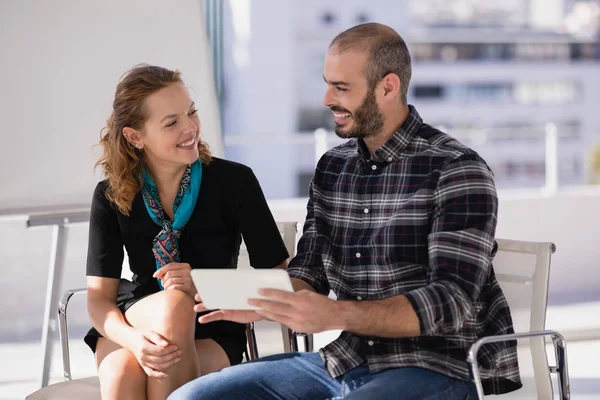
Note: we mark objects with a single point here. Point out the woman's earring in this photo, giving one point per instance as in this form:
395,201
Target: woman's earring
131,145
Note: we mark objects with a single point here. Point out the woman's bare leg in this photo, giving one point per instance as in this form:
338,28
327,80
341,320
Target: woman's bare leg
169,313
121,376
211,356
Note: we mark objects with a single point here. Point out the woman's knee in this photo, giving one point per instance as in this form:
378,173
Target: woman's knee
176,318
121,368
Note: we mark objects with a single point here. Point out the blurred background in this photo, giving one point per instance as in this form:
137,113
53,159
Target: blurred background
517,80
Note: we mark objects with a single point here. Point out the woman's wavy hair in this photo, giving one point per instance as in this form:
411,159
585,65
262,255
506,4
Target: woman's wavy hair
121,162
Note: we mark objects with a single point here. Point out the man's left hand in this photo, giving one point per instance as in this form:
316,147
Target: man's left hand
303,311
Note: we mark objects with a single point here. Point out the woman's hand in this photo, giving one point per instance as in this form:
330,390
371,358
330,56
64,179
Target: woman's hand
154,353
241,316
177,276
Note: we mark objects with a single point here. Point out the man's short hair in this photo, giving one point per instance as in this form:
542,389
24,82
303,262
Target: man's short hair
388,52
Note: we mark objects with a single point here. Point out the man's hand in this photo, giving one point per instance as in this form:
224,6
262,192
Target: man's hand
176,276
241,316
303,311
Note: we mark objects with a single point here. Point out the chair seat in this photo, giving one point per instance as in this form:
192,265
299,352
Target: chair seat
84,388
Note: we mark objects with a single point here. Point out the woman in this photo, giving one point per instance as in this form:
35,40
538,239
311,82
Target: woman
173,207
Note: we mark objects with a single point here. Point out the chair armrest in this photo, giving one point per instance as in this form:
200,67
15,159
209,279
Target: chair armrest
63,329
560,350
66,297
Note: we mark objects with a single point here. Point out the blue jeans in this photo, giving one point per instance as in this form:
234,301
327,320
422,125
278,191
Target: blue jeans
302,376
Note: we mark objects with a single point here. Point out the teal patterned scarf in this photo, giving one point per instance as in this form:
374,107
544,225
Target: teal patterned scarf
166,244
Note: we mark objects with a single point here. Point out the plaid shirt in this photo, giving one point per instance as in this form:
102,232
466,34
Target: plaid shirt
416,218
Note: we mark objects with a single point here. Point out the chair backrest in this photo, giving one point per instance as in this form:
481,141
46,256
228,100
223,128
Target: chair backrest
523,271
289,232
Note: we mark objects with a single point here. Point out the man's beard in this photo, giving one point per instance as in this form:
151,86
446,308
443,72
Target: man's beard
368,120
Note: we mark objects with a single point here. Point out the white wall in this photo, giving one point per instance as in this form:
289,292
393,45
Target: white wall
61,62
570,219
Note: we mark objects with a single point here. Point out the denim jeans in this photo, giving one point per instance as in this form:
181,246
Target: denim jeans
302,376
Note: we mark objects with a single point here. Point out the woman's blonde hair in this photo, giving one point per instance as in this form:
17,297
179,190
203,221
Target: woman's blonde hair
121,162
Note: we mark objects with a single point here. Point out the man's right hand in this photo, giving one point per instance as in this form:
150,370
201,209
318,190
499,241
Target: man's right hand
240,316
154,353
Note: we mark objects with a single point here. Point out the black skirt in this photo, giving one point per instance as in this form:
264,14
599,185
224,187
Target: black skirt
230,336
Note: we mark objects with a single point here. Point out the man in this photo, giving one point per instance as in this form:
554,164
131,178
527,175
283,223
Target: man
400,226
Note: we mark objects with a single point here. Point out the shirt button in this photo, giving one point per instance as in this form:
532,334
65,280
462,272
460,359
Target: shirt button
371,343
357,255
366,210
390,159
373,167
358,298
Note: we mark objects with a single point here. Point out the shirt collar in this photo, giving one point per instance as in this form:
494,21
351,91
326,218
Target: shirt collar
393,148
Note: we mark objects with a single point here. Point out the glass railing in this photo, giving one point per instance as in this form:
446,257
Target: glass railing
545,157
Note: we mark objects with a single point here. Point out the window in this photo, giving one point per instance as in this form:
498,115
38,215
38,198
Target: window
545,93
303,180
521,93
505,52
428,91
313,118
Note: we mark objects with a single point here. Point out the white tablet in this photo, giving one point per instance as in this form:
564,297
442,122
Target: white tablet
230,289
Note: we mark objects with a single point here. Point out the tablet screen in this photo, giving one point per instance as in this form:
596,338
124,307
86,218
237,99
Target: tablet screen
230,289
